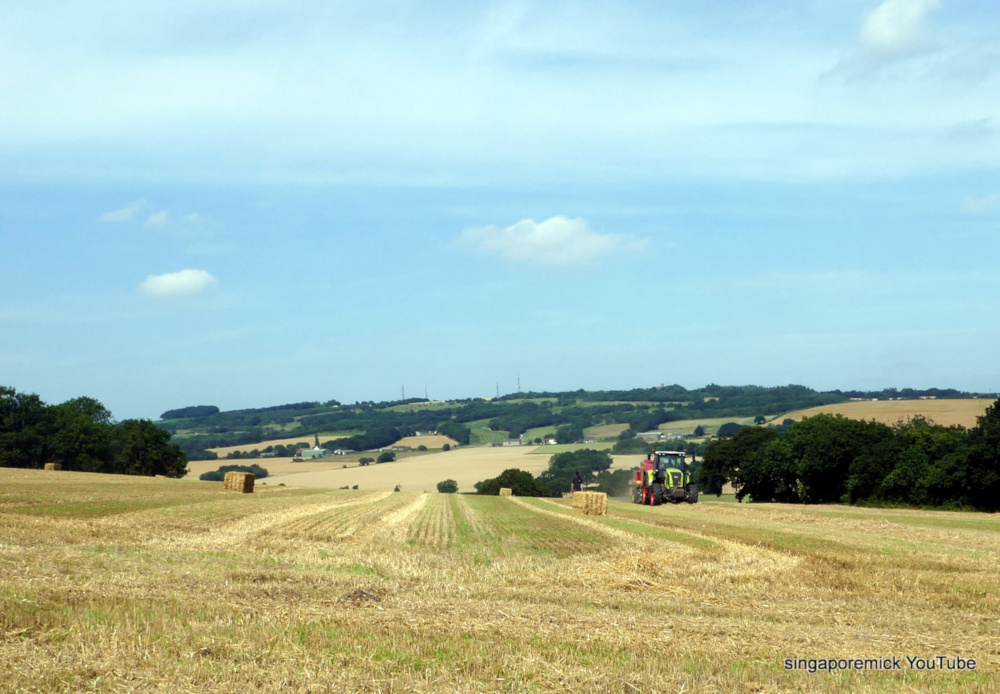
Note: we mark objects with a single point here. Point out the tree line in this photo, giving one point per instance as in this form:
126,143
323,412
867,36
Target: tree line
592,465
81,434
830,458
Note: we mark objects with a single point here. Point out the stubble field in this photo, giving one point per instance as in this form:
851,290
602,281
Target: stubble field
945,412
121,584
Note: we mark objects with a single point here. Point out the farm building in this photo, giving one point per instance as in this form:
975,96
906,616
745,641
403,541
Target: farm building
512,442
344,451
314,453
402,448
650,436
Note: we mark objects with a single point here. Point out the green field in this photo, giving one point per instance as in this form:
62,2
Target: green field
480,435
117,584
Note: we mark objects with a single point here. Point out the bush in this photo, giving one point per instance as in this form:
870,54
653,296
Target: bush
220,474
386,457
446,447
354,487
447,487
398,488
365,461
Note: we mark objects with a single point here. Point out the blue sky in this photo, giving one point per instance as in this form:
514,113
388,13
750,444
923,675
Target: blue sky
246,203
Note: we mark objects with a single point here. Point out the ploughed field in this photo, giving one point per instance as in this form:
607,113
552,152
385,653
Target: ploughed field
122,584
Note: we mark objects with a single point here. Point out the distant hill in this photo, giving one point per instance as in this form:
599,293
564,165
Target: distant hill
478,420
193,411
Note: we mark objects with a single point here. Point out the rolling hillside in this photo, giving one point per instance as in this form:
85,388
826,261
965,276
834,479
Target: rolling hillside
945,412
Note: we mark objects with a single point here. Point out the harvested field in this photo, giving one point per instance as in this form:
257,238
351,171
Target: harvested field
115,584
946,412
429,441
464,465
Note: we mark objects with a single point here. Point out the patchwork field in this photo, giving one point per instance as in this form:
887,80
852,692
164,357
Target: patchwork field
121,584
427,440
946,412
223,451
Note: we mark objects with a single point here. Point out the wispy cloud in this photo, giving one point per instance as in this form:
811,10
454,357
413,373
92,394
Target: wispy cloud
976,205
183,283
157,219
555,241
126,213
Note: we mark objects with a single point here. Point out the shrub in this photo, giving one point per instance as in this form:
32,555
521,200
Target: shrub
386,457
446,447
398,488
447,487
421,447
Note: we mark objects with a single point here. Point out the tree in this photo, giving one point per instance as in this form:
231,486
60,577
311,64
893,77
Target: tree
825,446
724,457
759,419
446,447
447,486
728,429
563,466
365,461
982,461
767,472
142,448
699,430
521,483
386,457
569,433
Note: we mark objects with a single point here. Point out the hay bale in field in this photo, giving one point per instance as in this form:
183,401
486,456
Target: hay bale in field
590,503
239,482
506,491
53,466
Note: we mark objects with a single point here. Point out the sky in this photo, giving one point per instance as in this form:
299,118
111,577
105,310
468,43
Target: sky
253,202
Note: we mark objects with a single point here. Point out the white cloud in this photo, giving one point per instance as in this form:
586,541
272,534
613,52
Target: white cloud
193,218
896,27
974,205
892,32
157,219
183,283
556,241
124,214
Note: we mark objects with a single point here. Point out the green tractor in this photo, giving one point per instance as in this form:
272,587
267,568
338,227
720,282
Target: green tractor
664,476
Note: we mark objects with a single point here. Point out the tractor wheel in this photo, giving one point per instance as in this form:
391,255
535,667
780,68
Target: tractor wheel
659,494
693,496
